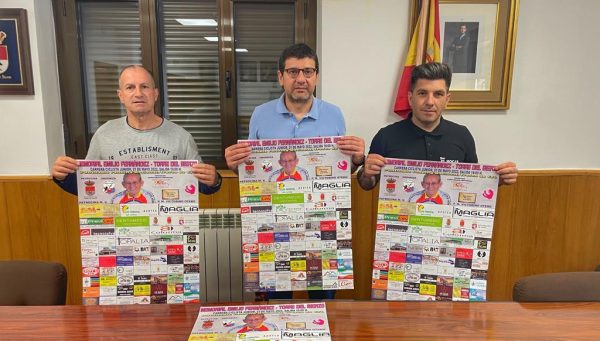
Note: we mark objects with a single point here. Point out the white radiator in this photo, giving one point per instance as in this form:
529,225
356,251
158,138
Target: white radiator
221,238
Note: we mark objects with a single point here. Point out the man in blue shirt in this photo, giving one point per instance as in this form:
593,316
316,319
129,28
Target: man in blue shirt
297,113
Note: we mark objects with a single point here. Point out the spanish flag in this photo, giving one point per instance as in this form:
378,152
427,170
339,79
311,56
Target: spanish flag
424,48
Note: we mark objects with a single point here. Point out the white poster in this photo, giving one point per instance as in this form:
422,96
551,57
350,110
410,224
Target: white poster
434,231
296,219
139,232
262,322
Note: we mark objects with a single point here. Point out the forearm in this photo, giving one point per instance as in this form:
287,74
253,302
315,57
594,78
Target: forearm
205,189
68,184
355,166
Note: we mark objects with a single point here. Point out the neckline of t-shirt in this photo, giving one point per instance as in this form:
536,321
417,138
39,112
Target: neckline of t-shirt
145,130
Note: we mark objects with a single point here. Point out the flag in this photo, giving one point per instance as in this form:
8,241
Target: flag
424,47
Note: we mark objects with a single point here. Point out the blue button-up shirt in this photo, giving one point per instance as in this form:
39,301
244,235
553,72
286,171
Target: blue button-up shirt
272,120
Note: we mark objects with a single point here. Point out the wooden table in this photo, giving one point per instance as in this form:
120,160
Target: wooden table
356,320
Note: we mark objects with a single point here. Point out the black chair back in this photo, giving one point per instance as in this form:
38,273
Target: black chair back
25,282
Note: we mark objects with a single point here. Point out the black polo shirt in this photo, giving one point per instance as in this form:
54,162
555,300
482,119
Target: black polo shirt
449,142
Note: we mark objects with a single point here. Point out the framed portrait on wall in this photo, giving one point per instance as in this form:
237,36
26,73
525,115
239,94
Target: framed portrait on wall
460,46
15,58
464,27
478,43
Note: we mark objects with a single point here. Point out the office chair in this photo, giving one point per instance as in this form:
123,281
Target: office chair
24,282
560,286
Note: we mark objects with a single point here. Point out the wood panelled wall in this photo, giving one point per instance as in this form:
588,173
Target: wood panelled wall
548,222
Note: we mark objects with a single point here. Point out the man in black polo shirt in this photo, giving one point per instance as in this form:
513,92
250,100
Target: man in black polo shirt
425,134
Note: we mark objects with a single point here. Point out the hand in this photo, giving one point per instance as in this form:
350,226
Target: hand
353,146
236,154
373,165
508,173
205,173
63,166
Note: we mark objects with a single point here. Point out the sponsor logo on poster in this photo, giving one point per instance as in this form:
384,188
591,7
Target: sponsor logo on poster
488,193
323,171
330,185
473,212
108,186
166,208
190,189
381,265
90,272
170,194
250,248
249,167
467,198
138,209
90,187
343,165
294,187
267,166
390,185
408,185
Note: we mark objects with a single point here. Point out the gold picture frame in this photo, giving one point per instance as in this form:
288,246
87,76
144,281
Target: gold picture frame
485,30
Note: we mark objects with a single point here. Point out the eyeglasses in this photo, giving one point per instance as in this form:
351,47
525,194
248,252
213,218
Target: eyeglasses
294,72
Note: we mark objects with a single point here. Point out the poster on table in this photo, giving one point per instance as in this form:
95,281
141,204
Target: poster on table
306,321
139,232
434,231
296,218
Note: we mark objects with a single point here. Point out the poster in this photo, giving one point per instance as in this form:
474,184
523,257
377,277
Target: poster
139,232
296,220
262,322
434,231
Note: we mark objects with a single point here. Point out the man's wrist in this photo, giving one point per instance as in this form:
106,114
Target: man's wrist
360,163
367,182
362,179
219,181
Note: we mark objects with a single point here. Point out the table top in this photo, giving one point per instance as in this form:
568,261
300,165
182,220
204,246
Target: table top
348,320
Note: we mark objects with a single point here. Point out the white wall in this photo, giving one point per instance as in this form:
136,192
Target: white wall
362,44
31,125
553,119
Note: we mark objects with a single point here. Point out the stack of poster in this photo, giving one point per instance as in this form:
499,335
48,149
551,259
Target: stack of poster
434,230
139,232
262,322
296,220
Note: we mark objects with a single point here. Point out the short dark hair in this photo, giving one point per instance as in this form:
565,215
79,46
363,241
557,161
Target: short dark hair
298,51
431,71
